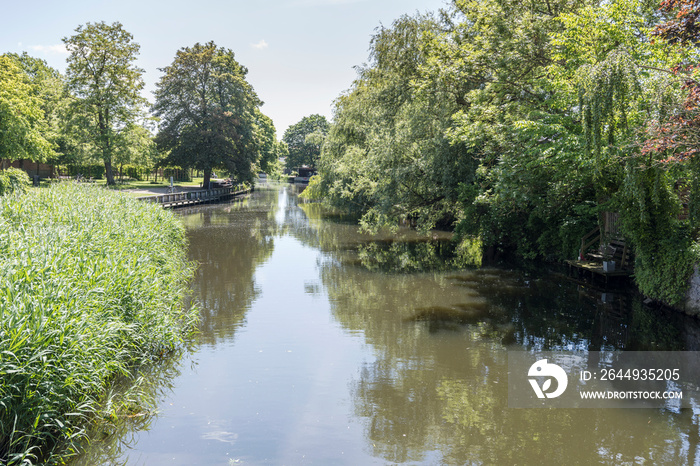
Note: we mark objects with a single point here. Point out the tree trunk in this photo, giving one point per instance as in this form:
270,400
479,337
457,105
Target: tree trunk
207,178
103,127
108,173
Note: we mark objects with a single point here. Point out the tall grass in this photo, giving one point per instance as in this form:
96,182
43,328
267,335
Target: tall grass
91,283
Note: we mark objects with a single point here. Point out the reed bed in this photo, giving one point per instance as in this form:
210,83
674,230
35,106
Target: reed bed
91,284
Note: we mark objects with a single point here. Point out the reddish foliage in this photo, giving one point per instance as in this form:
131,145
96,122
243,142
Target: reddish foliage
685,27
680,135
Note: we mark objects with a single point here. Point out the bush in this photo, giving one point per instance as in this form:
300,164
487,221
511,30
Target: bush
13,180
663,246
134,172
91,283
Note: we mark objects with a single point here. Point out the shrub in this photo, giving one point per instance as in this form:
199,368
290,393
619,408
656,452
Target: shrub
13,180
91,283
663,244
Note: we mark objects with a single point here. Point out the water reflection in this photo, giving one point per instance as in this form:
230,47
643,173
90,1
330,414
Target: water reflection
320,344
228,243
437,392
539,309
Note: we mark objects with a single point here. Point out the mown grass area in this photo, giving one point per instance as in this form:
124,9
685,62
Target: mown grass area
91,284
128,184
135,184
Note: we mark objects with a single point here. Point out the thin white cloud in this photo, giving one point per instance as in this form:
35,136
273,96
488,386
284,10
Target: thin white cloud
260,45
48,49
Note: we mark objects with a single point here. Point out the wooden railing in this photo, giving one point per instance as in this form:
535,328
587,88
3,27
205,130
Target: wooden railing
587,242
611,244
194,197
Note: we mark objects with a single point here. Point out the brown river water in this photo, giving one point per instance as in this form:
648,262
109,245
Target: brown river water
322,345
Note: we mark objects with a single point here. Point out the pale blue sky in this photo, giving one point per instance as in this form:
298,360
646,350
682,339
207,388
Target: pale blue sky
300,53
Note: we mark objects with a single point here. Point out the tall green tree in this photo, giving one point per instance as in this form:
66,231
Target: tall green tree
208,112
134,146
521,122
269,148
21,116
304,140
49,87
386,155
106,83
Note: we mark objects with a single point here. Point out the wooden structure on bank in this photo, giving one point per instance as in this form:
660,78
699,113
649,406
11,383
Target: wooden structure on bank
611,249
188,198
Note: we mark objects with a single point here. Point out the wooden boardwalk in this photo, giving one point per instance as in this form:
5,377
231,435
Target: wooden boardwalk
188,198
595,269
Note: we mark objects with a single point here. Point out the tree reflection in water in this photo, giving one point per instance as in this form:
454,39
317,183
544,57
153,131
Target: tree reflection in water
228,244
437,391
434,338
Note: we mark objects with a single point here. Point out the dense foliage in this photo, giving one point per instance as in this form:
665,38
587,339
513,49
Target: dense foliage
522,123
208,112
268,148
20,115
304,140
96,113
106,83
13,180
91,283
387,154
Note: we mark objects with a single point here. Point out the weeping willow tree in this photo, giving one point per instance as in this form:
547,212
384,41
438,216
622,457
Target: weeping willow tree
386,156
519,123
624,80
607,90
641,186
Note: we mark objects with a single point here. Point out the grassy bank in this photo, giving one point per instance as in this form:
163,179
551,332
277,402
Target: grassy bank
91,283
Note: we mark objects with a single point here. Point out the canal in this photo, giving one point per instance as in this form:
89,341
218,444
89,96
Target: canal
322,345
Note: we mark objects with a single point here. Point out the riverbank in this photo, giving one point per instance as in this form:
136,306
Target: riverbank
317,347
91,283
